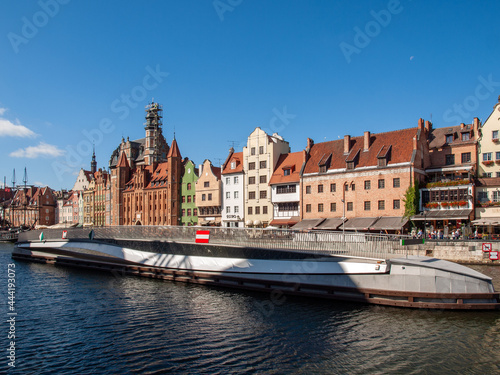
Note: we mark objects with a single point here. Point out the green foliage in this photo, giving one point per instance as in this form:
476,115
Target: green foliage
411,199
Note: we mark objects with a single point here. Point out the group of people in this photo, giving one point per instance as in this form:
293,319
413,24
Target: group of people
439,235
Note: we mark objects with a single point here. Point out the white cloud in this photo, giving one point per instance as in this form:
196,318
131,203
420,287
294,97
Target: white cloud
7,128
2,111
32,152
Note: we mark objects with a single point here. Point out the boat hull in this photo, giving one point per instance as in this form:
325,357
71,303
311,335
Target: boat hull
417,282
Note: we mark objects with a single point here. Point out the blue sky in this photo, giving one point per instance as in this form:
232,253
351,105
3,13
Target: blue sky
73,72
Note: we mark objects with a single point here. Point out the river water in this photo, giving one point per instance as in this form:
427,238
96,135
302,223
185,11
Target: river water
72,321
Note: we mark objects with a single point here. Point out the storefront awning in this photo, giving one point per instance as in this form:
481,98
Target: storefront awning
443,215
359,223
330,224
389,223
308,224
280,222
486,221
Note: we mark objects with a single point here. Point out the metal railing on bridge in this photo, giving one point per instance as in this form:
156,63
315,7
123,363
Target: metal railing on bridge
319,242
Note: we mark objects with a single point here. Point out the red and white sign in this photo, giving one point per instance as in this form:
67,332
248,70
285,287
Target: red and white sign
486,247
202,236
494,255
65,234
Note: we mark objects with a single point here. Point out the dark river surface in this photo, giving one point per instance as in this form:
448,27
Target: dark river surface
72,321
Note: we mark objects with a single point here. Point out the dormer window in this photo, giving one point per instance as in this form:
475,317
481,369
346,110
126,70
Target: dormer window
466,136
449,138
233,165
324,163
286,172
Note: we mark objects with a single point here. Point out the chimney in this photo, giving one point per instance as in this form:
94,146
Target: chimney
421,124
347,144
310,143
367,141
428,126
476,124
462,125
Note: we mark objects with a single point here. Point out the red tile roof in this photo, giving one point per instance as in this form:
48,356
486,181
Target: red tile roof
122,162
292,161
237,157
174,151
400,143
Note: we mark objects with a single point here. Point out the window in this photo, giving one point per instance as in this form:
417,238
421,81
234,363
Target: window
320,188
381,184
263,179
228,194
346,187
183,212
333,207
322,169
367,206
333,188
308,208
209,196
251,195
251,180
189,199
367,185
350,206
264,210
497,155
466,157
262,164
498,174
257,210
320,207
250,210
263,194
284,189
353,187
236,194
286,172
496,196
183,199
236,209
189,186
465,136
396,204
228,180
233,165
235,179
381,205
206,184
251,166
482,196
308,189
252,151
487,156
228,209
189,212
494,134
396,182
203,197
487,174
261,150
450,159
449,138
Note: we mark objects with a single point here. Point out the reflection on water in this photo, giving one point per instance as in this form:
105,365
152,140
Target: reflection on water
77,321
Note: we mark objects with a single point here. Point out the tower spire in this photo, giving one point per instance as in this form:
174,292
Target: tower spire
93,163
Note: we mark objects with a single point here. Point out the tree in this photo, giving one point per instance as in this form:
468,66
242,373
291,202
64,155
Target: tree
411,199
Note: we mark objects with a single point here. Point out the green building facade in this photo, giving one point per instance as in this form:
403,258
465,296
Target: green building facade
189,211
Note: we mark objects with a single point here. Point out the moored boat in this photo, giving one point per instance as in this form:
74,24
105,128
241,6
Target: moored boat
335,265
